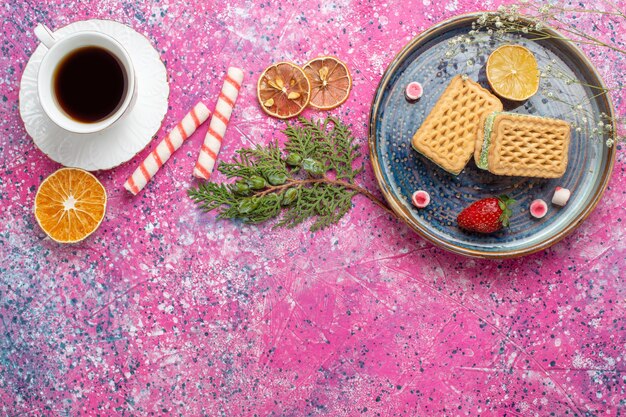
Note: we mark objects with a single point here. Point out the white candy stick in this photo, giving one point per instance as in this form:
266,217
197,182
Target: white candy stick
217,128
170,143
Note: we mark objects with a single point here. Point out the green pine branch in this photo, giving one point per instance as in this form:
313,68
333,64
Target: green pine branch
312,177
325,202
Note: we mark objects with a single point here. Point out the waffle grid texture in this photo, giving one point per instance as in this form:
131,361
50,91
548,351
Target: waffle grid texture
528,146
447,136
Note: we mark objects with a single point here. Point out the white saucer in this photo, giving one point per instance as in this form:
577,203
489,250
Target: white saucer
123,140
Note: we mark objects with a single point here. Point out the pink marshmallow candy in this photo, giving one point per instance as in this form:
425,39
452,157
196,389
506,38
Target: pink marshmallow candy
420,199
413,91
561,196
538,208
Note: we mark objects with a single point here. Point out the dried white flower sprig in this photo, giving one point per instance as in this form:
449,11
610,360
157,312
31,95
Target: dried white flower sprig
529,19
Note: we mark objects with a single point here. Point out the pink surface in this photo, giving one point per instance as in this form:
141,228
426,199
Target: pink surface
166,311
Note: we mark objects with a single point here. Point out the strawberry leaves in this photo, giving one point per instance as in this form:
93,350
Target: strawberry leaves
504,201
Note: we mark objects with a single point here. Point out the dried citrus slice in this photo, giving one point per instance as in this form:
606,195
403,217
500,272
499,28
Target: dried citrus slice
513,73
283,90
70,205
330,82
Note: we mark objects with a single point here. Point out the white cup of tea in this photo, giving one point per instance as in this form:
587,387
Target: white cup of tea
86,81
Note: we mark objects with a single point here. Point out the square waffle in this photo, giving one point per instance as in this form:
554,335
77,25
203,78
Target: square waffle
528,146
447,136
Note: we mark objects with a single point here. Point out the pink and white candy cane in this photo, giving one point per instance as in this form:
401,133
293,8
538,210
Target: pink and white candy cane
219,121
170,143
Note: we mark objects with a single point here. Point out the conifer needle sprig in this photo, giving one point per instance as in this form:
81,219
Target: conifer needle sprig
312,176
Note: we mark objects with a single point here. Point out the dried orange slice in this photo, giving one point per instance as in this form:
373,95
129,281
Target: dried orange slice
70,205
330,82
513,73
283,90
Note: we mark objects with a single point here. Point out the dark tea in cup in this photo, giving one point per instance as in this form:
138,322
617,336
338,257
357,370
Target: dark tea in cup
90,84
86,80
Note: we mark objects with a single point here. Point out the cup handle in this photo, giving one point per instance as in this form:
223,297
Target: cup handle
45,35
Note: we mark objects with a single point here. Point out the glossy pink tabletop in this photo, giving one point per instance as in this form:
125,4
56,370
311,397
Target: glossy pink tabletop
165,310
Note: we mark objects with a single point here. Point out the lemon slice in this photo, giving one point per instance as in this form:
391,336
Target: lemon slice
513,73
330,82
283,90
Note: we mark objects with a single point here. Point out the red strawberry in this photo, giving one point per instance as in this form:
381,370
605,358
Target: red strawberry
487,215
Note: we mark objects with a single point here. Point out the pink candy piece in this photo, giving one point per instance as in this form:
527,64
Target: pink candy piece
561,196
538,208
413,91
420,199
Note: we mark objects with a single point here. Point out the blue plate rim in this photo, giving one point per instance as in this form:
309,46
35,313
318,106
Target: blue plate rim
404,215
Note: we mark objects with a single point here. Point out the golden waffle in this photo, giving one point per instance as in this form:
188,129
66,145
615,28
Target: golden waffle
528,146
447,136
